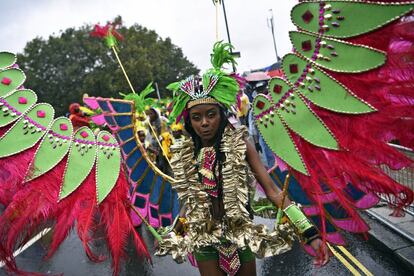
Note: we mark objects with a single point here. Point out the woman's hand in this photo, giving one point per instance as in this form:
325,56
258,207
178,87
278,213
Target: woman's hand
157,243
322,252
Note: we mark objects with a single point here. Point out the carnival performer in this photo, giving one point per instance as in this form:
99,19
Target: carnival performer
243,106
177,132
212,170
159,123
77,117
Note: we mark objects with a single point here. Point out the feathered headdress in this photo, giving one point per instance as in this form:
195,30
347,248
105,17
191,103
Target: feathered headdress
213,87
177,126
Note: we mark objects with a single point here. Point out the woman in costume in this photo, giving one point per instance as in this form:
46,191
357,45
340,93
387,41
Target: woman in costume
212,170
352,98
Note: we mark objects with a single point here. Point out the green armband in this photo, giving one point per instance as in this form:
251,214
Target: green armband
297,217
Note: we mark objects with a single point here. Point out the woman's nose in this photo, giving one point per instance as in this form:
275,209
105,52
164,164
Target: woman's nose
204,121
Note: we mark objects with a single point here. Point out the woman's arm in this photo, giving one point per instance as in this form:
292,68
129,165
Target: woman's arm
273,193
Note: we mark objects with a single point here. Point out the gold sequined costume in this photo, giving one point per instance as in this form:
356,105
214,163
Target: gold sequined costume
236,226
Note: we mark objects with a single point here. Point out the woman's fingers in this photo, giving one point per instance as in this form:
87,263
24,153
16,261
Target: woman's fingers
322,252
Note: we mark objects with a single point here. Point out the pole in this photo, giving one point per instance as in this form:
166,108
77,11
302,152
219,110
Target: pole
227,30
157,90
145,116
150,228
217,3
284,192
273,34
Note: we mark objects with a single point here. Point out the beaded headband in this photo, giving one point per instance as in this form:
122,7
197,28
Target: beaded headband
202,101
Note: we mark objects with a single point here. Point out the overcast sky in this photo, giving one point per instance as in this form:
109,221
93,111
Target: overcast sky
189,23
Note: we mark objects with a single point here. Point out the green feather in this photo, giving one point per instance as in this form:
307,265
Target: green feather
147,90
222,55
140,99
179,103
225,90
174,87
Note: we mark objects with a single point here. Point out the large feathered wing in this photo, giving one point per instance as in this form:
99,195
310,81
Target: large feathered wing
51,175
347,90
150,189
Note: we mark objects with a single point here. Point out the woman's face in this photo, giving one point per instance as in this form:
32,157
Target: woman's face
205,119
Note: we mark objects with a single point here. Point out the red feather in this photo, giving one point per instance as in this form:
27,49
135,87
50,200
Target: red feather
86,219
32,208
36,205
13,169
70,210
115,211
363,138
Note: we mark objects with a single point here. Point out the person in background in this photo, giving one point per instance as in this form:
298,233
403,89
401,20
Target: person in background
142,133
159,124
243,106
77,117
177,132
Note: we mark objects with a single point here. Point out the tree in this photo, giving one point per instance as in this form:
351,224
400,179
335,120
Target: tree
64,67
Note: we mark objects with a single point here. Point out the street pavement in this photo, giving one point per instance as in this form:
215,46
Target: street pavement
401,246
70,259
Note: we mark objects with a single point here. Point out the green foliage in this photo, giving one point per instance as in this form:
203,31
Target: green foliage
65,66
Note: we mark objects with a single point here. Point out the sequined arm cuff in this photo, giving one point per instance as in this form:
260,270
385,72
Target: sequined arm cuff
299,220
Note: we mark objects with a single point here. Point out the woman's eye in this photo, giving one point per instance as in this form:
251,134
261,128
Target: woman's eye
212,114
195,118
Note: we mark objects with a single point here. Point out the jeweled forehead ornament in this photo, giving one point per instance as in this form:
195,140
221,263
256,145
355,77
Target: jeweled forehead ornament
193,86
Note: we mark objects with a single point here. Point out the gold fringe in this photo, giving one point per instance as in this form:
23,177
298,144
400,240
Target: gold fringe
203,229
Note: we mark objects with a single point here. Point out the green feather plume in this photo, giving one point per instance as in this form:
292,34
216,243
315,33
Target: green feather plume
225,90
222,55
140,99
179,101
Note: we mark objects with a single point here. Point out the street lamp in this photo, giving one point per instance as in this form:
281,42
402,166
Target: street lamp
270,24
236,54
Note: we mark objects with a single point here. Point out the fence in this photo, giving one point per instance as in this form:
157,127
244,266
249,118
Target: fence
404,176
